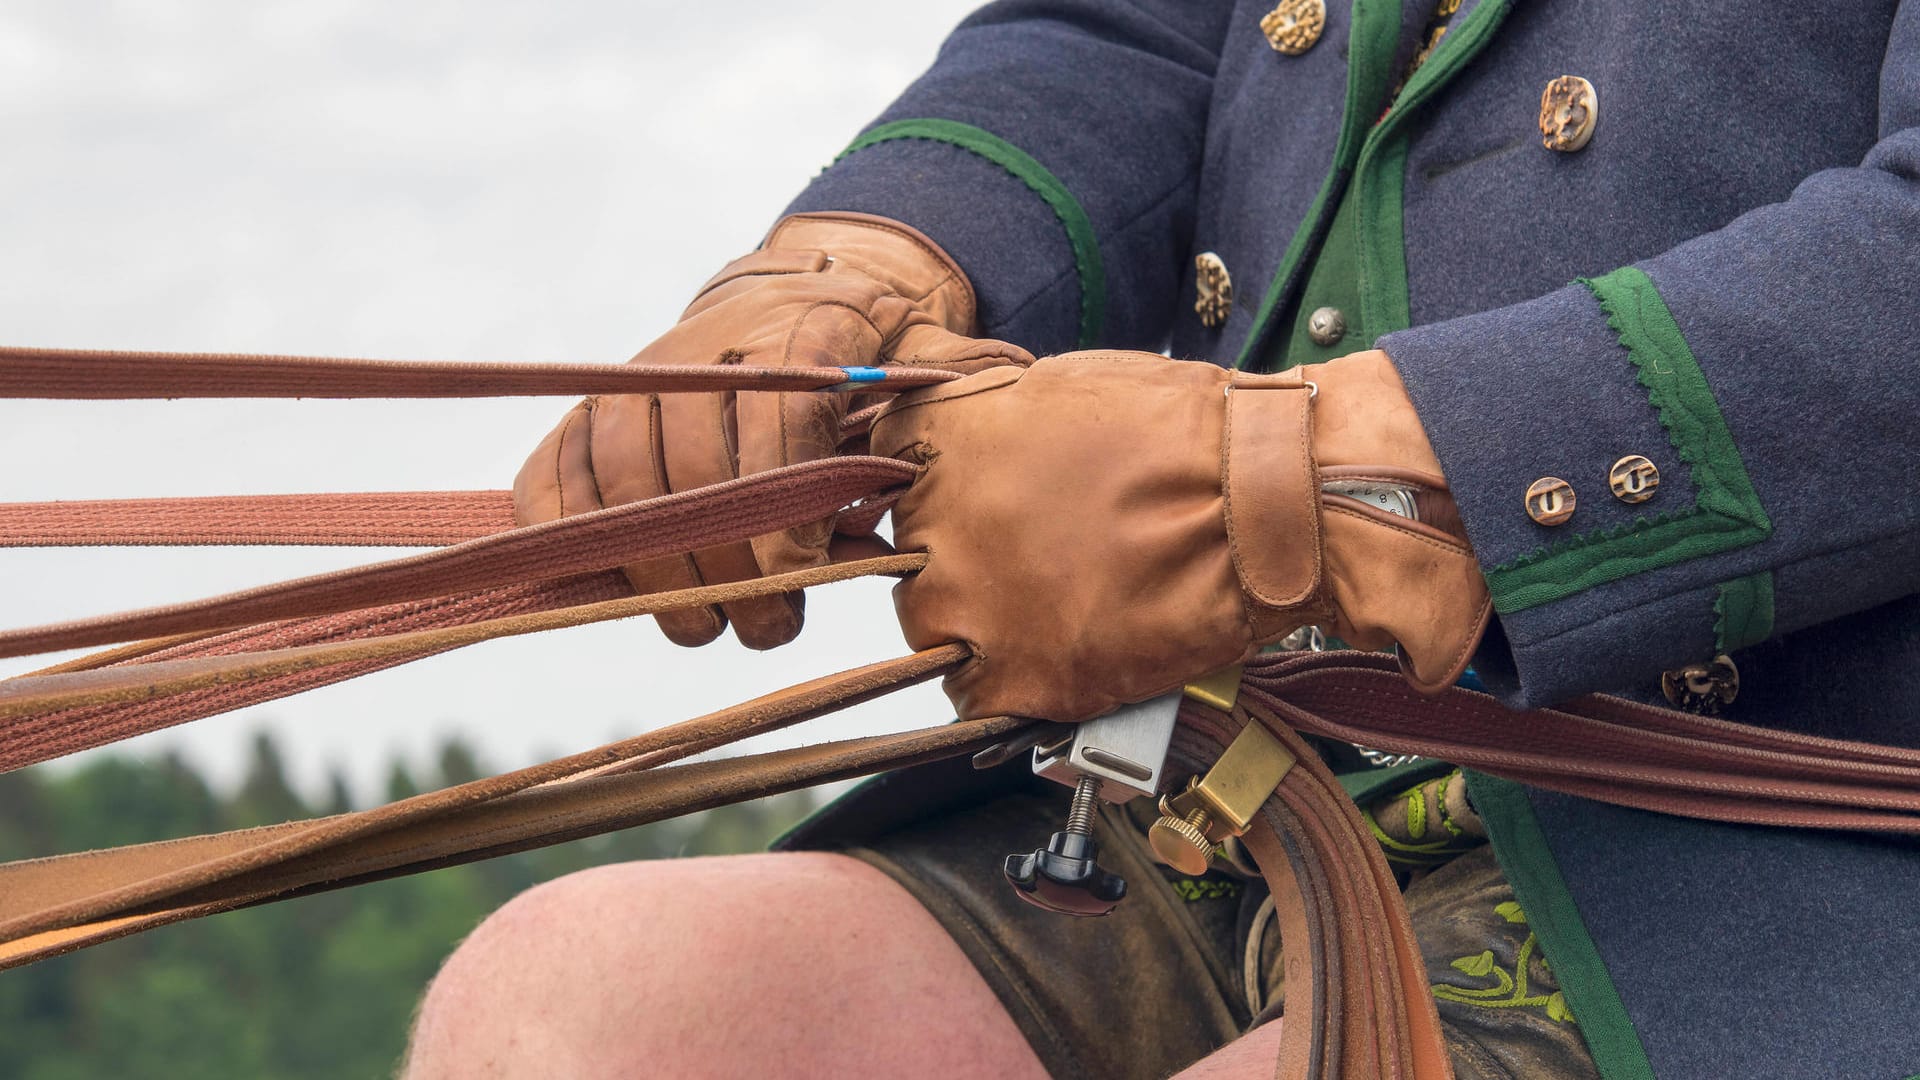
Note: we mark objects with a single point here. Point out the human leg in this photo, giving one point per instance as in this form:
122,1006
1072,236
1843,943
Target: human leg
780,964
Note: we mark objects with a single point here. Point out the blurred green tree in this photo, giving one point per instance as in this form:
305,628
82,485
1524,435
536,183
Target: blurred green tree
321,987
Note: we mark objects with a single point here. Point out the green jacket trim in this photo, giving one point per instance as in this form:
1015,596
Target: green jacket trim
1332,281
1381,180
1743,612
1726,513
1370,45
1026,169
1374,155
1528,862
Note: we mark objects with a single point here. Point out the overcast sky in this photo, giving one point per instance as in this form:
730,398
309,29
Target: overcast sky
481,181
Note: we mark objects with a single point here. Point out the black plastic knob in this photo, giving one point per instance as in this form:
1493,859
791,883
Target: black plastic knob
1063,877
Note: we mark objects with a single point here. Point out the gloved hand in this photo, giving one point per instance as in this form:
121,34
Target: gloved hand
1105,527
823,290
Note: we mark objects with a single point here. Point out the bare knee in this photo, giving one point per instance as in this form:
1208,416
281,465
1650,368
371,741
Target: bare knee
808,961
1252,1054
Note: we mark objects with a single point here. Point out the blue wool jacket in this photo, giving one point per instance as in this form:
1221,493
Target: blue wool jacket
1726,280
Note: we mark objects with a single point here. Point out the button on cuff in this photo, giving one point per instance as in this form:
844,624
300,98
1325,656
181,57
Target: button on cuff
1633,479
1550,501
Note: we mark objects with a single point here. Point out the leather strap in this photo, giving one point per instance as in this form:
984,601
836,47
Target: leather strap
320,630
366,519
1598,747
735,510
36,695
1357,1002
1603,748
97,374
34,739
153,871
52,906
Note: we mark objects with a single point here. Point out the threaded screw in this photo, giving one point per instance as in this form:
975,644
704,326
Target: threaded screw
1086,795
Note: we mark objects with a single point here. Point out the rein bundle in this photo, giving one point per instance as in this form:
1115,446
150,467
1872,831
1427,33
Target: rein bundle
1357,1001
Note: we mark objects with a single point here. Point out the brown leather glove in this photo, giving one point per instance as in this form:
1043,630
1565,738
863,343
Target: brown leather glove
824,289
1107,526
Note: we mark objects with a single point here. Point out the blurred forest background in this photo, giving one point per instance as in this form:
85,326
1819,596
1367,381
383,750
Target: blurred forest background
323,986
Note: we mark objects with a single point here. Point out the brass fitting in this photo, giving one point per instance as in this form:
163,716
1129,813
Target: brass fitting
1181,842
1221,804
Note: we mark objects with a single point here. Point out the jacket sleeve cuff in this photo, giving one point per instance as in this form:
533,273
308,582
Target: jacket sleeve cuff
1566,386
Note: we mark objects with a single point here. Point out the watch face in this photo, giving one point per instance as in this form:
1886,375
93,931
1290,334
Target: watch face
1392,499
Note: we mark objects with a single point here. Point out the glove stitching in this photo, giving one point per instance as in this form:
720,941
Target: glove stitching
1327,505
1248,597
1468,643
593,474
968,304
1249,590
656,440
953,274
560,452
743,275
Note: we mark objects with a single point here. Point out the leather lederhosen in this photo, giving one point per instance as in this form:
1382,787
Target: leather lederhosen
1184,965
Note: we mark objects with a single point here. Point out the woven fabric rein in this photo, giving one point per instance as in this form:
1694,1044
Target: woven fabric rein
1357,1003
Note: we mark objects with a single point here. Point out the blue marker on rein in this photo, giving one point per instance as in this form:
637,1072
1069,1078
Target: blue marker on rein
856,376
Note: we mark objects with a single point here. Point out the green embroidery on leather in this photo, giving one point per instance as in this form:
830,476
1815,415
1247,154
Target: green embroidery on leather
1510,989
1369,785
1420,804
1192,890
1547,907
1446,820
1401,853
1479,967
1743,612
1726,513
1026,169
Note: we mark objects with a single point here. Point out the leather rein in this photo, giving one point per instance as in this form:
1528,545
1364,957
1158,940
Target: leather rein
1357,1001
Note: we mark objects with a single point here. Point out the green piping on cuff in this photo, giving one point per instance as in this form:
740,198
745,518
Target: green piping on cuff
1743,612
1726,513
1528,862
1024,168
